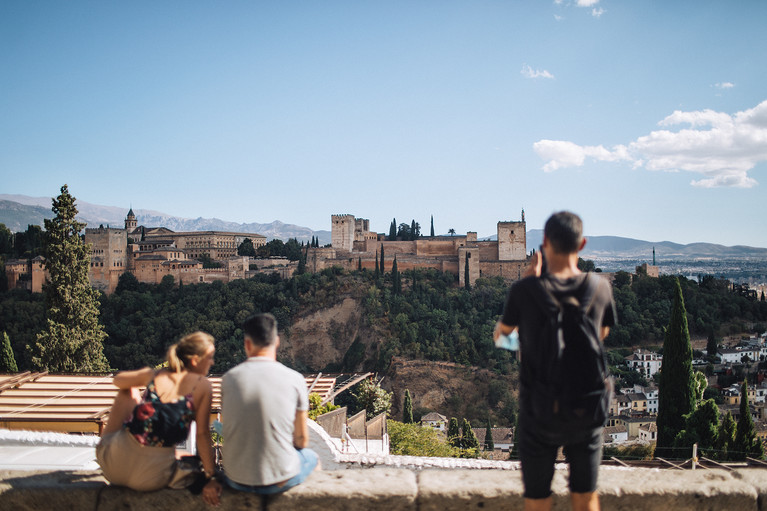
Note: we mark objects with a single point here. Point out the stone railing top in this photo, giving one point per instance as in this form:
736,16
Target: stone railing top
393,489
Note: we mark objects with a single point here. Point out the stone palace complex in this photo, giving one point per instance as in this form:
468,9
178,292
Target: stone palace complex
152,253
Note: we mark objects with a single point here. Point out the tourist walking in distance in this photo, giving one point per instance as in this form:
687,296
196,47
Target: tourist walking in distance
561,316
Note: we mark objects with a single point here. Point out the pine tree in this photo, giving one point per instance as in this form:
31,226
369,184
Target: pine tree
489,444
675,394
453,433
469,440
73,338
7,360
432,229
407,409
746,442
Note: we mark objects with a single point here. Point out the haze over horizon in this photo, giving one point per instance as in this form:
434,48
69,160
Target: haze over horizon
649,120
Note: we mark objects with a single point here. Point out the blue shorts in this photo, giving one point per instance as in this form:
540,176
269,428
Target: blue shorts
538,453
308,463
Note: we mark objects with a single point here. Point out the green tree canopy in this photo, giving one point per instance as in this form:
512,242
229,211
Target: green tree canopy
373,398
246,248
73,339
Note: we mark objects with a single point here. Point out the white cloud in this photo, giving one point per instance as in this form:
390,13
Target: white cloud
724,85
529,72
722,148
586,3
597,12
558,17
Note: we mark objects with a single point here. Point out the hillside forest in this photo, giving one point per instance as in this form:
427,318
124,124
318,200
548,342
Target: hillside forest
420,315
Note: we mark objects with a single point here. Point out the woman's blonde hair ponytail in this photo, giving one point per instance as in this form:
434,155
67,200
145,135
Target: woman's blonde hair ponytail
179,354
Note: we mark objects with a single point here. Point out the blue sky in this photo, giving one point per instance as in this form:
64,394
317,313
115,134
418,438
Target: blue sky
647,118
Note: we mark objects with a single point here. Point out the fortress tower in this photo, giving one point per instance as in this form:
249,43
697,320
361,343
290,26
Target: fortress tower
512,241
342,232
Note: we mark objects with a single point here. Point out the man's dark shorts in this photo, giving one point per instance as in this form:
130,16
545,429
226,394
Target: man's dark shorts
538,452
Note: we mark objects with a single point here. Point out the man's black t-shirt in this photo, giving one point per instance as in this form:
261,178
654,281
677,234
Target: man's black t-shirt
523,309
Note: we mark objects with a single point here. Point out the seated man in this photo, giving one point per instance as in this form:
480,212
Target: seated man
264,412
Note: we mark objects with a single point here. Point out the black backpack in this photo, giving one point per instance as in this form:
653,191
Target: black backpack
570,387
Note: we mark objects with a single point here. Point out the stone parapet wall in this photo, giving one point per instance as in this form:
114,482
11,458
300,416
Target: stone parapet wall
403,489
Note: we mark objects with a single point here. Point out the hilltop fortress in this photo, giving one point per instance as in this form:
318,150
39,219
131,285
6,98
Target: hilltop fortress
353,245
151,253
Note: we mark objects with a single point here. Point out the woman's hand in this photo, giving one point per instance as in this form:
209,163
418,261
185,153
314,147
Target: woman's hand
211,493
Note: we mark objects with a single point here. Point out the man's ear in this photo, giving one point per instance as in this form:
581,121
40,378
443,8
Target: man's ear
583,244
248,345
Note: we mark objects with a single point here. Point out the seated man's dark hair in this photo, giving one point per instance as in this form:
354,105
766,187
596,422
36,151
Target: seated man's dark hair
564,230
261,329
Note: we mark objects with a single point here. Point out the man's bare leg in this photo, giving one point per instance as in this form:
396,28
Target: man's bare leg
538,504
125,401
585,501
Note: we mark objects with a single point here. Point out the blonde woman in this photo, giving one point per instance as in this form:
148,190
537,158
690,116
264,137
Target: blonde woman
137,447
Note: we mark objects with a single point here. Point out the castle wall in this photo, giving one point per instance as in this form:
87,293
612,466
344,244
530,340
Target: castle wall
508,270
512,241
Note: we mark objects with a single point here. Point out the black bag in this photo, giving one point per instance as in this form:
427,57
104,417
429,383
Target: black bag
571,387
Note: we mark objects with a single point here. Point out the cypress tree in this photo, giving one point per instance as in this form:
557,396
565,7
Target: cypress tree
469,440
376,274
73,339
725,437
393,230
676,396
453,433
407,409
383,268
7,360
489,444
746,442
413,231
396,279
432,228
359,263
466,282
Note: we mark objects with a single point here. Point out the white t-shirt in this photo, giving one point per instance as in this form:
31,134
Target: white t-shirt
259,400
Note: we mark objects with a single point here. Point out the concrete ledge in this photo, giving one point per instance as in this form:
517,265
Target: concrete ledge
399,489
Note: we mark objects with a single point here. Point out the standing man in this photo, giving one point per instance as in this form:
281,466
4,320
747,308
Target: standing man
264,412
553,272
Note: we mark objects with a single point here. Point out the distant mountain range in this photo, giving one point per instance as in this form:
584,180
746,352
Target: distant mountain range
19,211
615,247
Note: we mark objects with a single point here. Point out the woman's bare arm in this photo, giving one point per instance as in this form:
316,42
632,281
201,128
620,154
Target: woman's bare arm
137,378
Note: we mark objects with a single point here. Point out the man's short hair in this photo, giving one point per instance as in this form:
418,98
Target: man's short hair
564,230
261,329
